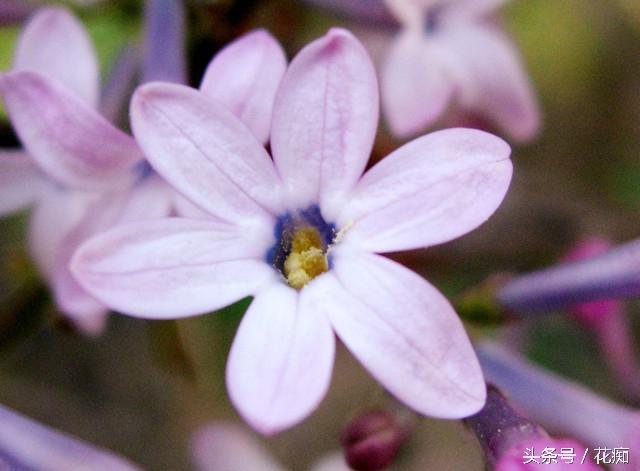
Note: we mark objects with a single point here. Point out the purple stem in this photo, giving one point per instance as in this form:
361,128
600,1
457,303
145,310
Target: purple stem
614,274
499,428
560,405
120,83
164,48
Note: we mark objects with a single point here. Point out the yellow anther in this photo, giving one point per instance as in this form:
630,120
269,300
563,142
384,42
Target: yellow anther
307,258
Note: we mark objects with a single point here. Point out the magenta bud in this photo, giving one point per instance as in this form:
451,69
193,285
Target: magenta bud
372,441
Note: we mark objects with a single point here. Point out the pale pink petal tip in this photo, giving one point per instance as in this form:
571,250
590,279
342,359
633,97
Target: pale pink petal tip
244,76
55,44
284,348
325,116
222,446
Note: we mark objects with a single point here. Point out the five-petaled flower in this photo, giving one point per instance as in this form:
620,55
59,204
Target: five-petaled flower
302,233
448,50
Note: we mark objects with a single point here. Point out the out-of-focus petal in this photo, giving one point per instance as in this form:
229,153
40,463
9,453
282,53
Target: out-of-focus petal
148,200
415,87
491,79
244,76
21,181
69,140
281,360
332,462
324,121
164,49
470,9
431,190
29,445
119,84
53,217
411,13
55,44
171,268
222,446
404,332
15,11
205,152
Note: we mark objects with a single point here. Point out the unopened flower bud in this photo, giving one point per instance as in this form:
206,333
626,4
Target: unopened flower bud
372,441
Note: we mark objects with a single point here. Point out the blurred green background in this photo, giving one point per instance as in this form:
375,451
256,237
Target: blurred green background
142,387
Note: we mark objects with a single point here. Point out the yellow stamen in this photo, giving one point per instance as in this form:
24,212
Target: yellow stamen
307,258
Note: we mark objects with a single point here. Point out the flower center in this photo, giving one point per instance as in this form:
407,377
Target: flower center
303,240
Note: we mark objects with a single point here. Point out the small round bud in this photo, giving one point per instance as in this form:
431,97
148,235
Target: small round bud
372,440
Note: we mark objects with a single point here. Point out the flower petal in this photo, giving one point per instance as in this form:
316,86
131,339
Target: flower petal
148,200
491,79
68,139
55,44
205,152
224,446
21,181
26,444
280,364
324,121
471,9
431,190
331,462
52,218
244,76
415,87
171,268
404,332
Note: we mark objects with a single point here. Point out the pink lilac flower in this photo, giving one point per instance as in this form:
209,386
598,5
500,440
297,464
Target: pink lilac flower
302,233
78,169
449,51
563,406
222,446
26,444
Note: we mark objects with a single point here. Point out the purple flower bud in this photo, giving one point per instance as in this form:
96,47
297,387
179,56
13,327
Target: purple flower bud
563,406
372,441
614,274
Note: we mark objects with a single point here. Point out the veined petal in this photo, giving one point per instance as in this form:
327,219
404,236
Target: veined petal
171,268
244,76
415,87
222,446
491,79
404,332
52,219
55,44
431,190
281,360
324,121
68,139
26,444
147,200
205,152
21,181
